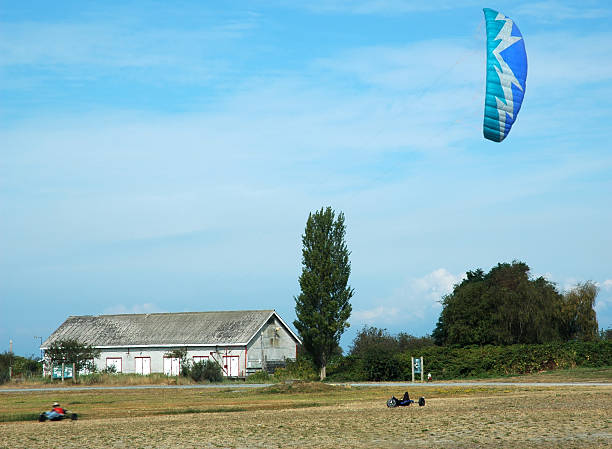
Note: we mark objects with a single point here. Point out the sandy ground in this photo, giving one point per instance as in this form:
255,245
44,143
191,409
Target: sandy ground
551,418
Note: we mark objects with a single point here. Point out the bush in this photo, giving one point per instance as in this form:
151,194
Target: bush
22,367
259,377
209,370
302,369
452,362
381,365
110,369
6,360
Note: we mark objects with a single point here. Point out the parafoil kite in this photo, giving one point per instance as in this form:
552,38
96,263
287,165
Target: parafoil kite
506,75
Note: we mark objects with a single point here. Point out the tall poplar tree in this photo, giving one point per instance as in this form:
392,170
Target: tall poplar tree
323,306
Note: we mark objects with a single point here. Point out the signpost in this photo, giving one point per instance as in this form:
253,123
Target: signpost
417,367
56,371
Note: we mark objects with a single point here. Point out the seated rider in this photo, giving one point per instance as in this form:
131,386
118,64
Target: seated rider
406,399
56,411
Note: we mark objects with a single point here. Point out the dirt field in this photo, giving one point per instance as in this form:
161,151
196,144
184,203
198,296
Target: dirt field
314,416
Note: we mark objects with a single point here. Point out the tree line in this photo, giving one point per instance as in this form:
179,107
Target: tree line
505,306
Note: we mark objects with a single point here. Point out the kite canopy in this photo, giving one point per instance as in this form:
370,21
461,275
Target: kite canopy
506,75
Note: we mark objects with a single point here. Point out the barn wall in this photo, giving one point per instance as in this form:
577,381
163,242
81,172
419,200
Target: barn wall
128,357
273,344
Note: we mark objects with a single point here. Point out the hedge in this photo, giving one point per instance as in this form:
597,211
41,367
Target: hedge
446,362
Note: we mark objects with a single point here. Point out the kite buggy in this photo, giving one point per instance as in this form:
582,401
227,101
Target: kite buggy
57,413
405,401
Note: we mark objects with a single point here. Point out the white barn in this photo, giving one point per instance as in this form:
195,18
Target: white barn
242,342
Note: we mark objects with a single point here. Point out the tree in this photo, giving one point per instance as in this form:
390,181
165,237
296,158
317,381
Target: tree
323,308
578,318
504,306
375,339
7,360
72,351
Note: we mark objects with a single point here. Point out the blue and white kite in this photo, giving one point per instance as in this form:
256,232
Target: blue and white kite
506,75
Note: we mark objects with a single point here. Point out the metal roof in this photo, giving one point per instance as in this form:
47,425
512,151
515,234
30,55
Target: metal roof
165,329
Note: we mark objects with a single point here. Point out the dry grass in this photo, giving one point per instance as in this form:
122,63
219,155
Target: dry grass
312,415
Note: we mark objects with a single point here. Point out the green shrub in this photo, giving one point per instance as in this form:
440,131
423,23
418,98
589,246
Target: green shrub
380,365
452,362
209,370
260,377
302,369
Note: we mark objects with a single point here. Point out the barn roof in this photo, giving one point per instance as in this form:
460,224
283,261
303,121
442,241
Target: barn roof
165,329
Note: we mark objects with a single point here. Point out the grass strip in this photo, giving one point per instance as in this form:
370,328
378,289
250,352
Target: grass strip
16,417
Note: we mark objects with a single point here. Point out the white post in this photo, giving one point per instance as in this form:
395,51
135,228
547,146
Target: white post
422,369
412,366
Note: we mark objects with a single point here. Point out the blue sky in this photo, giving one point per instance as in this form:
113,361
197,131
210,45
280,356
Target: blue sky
164,156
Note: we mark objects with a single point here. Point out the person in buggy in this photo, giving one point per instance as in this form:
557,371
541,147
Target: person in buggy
404,401
56,413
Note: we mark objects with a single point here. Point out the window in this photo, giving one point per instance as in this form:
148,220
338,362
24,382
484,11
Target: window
200,358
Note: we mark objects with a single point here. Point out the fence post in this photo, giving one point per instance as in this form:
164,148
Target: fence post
412,366
63,367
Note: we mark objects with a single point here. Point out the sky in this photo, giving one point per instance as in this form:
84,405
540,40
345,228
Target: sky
164,156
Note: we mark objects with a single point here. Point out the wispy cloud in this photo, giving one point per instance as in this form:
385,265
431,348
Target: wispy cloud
378,314
555,11
134,308
412,68
378,7
417,300
603,308
95,50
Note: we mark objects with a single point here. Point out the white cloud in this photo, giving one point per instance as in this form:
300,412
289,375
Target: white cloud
136,308
434,285
377,314
413,68
555,11
87,51
603,304
378,7
418,299
603,307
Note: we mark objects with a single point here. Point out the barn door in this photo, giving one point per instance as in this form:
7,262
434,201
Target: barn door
146,366
143,365
171,366
230,365
114,362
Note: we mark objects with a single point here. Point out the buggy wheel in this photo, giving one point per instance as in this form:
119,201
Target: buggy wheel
74,416
392,403
42,417
421,401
